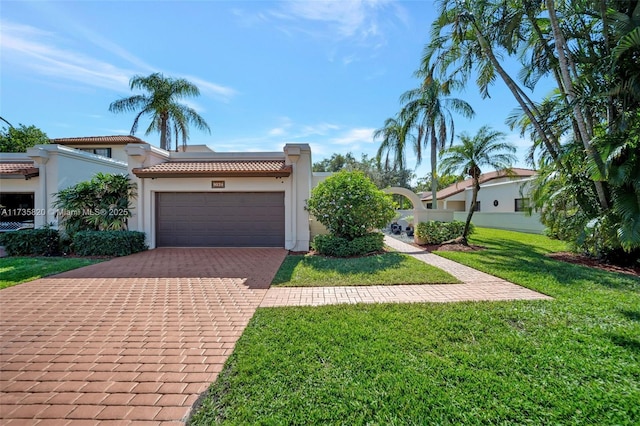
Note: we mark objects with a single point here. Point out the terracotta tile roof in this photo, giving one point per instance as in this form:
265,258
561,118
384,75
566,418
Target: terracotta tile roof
19,168
485,177
98,140
229,168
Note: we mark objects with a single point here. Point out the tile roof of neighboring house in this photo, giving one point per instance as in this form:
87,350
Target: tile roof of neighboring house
230,168
485,177
19,168
98,140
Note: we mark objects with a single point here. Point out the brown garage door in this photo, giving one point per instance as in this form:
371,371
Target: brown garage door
230,219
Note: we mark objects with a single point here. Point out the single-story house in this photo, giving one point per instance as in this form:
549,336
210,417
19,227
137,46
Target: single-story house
193,198
28,181
502,202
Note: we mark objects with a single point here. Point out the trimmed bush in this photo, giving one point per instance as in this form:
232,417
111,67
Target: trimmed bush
349,205
32,242
330,245
108,243
434,232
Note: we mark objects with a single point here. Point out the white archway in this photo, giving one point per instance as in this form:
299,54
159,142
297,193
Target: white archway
420,212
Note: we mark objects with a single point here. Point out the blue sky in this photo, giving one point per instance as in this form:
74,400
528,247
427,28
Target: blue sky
327,73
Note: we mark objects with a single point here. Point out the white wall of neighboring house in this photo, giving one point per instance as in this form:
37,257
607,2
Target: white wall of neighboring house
497,205
504,193
502,215
61,167
520,221
118,152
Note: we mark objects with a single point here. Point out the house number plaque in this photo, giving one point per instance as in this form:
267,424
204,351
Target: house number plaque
217,184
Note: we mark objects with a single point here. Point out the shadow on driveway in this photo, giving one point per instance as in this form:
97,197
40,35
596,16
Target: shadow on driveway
256,266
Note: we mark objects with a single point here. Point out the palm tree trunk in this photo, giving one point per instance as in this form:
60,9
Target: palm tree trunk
472,208
163,131
518,94
434,175
560,44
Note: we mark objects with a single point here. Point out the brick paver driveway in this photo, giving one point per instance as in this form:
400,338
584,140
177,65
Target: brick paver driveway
133,339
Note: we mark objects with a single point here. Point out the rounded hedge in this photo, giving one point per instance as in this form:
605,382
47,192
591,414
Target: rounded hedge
349,205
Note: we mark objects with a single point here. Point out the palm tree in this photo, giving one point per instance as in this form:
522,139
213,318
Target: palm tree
161,103
428,110
487,148
394,136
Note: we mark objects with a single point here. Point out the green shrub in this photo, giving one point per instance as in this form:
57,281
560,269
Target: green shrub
100,204
108,243
330,245
32,242
434,232
349,205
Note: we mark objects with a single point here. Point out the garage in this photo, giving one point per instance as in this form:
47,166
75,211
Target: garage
227,219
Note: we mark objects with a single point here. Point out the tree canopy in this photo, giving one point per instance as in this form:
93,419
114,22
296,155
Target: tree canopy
584,134
21,138
168,117
380,175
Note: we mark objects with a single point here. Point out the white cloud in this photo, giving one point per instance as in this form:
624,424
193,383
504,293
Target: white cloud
317,129
346,18
20,45
338,20
43,52
282,128
354,136
221,92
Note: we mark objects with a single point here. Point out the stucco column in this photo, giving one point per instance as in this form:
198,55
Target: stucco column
293,154
40,156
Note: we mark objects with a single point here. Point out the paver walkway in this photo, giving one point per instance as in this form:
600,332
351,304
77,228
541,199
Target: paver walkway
132,340
476,286
135,340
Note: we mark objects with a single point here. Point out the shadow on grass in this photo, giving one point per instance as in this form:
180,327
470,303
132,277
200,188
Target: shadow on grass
508,255
345,266
632,315
626,342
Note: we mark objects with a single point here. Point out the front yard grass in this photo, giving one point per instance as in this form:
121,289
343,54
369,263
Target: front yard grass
16,270
380,269
571,360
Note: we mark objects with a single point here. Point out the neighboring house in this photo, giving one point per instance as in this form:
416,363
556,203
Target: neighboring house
105,146
28,181
197,198
503,201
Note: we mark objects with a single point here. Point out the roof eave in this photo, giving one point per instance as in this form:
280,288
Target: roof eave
22,173
141,173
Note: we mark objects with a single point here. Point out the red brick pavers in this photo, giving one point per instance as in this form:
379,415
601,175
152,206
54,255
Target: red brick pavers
132,340
476,286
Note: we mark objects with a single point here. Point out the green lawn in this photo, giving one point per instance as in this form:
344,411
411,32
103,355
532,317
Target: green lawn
382,269
572,360
16,270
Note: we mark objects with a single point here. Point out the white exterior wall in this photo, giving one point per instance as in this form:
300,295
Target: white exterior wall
520,221
505,193
118,152
61,167
296,187
454,202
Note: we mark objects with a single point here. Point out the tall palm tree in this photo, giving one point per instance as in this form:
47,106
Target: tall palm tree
394,136
161,103
487,148
428,110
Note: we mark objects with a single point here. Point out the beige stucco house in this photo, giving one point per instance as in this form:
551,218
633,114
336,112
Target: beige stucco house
194,198
503,201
